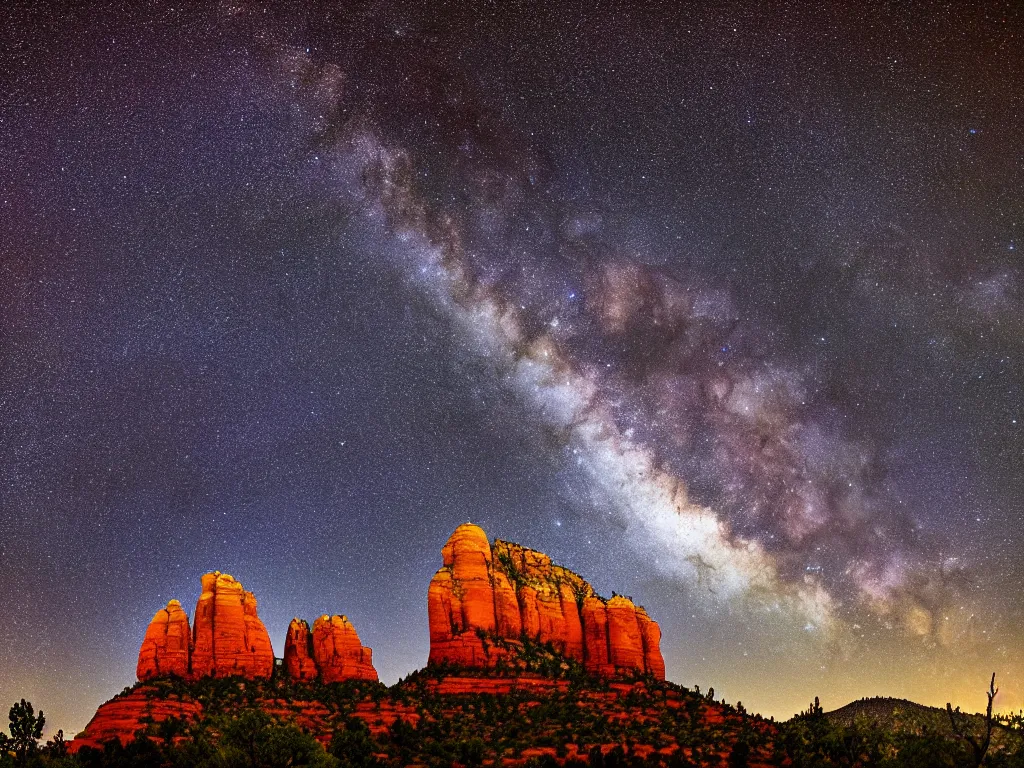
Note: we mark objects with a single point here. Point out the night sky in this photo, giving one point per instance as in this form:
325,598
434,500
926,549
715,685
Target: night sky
720,305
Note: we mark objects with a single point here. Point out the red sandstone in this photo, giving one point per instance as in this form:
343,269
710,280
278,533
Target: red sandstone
121,717
510,592
229,639
298,652
338,653
166,647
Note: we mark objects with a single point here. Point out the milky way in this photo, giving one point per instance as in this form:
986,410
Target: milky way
653,380
722,308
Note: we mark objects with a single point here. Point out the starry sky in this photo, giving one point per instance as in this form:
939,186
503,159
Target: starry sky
720,305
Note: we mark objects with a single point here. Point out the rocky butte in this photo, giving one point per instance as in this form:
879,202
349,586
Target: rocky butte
484,601
228,639
331,651
502,618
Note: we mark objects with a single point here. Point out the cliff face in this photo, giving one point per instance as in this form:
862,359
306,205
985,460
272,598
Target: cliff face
466,595
338,653
166,648
229,639
650,636
508,591
298,652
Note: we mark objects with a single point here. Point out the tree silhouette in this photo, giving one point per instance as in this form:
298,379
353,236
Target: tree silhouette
26,730
57,746
962,728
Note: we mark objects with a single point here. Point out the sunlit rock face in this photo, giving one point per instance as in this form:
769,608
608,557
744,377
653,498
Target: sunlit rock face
330,652
650,635
508,592
298,652
167,645
337,652
463,600
625,645
229,638
595,633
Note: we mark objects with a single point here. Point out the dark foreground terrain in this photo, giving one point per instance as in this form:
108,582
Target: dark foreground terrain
553,715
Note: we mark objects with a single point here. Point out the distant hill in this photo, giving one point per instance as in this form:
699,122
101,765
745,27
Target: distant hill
901,717
896,715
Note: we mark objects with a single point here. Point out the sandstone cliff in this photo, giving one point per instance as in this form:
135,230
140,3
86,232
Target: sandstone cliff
469,594
229,639
298,652
338,653
508,592
167,645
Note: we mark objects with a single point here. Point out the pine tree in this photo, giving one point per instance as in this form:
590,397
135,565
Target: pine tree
26,730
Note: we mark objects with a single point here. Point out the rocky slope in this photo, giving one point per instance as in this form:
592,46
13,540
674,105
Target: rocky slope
526,720
483,594
124,715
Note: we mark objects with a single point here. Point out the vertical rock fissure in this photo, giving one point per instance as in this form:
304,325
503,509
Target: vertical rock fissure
607,637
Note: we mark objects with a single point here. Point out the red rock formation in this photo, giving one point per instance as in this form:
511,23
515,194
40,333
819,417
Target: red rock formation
229,638
461,600
507,617
469,554
298,652
625,644
511,592
595,632
455,685
122,716
549,597
529,611
559,617
338,653
165,648
650,633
